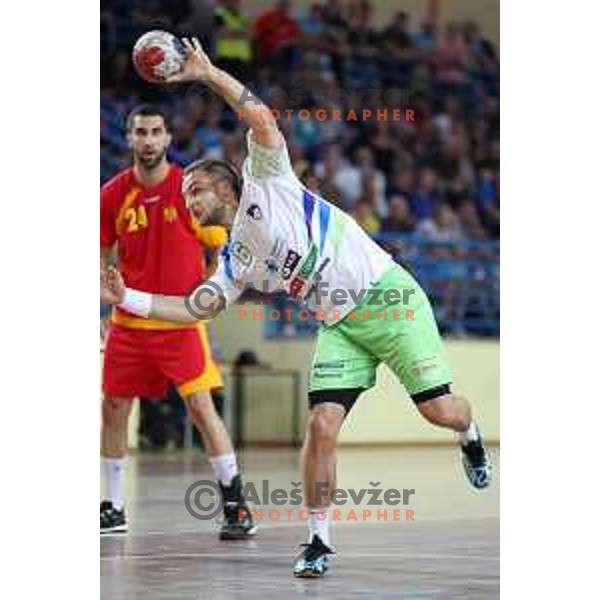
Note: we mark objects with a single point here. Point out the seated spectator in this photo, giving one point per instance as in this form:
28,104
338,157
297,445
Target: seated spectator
340,174
312,23
234,148
470,222
210,134
456,192
306,132
334,14
426,196
491,160
399,219
298,159
398,37
452,57
484,56
199,21
447,119
306,174
327,95
452,160
117,73
401,183
426,38
370,175
488,198
186,146
487,191
232,48
442,227
361,70
382,145
276,33
364,214
149,14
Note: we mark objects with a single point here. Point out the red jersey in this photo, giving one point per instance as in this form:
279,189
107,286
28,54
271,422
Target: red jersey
273,29
159,249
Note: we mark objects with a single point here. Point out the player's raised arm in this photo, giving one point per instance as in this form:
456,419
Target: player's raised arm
257,115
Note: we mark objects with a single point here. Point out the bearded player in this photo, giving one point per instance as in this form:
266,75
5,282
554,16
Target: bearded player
320,244
160,249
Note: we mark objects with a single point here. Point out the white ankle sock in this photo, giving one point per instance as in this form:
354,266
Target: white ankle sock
114,479
469,435
320,524
225,467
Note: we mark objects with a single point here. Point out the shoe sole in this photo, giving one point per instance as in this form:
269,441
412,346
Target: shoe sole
233,537
118,529
308,575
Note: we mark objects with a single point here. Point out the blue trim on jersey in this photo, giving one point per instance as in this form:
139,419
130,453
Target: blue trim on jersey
324,218
227,262
308,202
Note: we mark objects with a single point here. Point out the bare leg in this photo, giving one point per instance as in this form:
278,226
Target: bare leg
113,450
113,431
238,523
318,457
209,424
450,411
454,412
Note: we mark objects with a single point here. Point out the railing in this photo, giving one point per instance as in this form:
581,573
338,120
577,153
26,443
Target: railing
461,278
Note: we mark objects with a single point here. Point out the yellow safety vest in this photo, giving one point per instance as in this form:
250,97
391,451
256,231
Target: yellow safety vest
232,48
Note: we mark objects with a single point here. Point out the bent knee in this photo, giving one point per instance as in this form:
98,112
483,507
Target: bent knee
444,411
322,429
115,410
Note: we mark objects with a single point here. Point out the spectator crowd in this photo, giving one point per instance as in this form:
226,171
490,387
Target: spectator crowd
437,176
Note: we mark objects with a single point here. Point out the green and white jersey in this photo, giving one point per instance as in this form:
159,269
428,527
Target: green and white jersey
284,237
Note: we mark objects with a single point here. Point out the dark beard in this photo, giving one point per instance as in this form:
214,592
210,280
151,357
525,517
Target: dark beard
150,163
217,216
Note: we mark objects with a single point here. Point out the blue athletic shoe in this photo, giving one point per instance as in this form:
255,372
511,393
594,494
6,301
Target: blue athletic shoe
313,561
477,463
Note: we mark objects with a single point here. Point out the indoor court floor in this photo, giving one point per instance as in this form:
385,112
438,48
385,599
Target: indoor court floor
450,550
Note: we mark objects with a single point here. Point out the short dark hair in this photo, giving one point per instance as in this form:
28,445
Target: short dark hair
147,110
222,168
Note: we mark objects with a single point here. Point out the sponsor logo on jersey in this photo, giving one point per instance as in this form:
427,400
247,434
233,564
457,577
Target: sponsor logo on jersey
308,266
317,277
152,199
254,212
271,265
290,263
241,253
170,214
297,287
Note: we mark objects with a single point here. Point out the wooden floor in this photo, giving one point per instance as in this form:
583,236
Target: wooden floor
450,550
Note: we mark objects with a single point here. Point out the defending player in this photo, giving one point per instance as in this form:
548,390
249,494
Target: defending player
283,235
143,211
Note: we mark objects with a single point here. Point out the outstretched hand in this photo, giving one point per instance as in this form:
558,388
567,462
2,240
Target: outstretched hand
112,286
197,65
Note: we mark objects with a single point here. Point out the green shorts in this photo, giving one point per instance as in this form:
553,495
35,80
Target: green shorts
397,328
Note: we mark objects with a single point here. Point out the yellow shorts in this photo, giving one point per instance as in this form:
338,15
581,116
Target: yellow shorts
211,377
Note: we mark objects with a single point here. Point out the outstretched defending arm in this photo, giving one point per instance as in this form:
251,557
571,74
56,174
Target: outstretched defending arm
257,115
206,302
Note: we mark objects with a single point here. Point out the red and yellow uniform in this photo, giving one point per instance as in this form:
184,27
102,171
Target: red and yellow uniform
160,250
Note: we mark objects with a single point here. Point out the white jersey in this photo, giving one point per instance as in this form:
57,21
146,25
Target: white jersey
284,237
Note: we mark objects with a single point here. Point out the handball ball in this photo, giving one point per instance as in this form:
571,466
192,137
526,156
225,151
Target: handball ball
158,55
